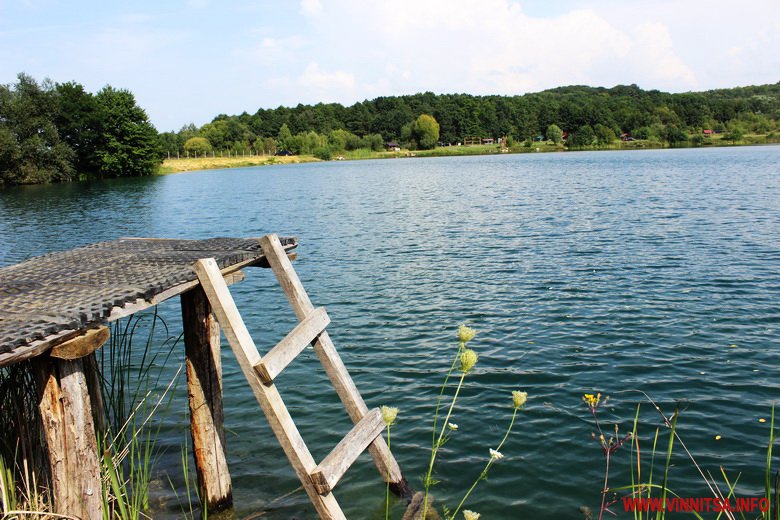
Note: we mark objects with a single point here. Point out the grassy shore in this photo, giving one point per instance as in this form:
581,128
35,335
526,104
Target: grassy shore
212,163
215,163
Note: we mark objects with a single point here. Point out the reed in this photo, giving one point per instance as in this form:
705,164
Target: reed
130,372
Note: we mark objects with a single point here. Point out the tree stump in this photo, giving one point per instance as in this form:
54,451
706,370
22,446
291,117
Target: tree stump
204,383
66,413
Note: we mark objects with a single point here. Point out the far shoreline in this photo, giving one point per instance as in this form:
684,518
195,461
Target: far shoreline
182,165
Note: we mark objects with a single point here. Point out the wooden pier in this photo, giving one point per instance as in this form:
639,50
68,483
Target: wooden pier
55,310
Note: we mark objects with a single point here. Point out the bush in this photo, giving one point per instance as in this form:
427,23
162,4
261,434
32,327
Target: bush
323,153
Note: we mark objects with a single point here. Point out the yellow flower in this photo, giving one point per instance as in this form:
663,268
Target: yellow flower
466,334
467,360
388,414
519,398
470,515
592,400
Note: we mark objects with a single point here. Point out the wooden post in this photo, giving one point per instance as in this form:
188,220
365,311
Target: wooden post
204,382
66,414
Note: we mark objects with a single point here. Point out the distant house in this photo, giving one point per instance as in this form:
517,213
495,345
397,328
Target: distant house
392,146
488,140
624,136
471,140
707,133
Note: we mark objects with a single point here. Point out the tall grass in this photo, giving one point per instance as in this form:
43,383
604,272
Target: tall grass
134,406
131,366
645,486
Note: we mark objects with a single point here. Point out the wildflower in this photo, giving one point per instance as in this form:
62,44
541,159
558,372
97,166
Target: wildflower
467,360
470,515
452,426
466,334
592,400
388,414
495,455
519,398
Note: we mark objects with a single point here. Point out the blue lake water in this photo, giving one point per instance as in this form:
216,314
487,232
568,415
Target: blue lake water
612,272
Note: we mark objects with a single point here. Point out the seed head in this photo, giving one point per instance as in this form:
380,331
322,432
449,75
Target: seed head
467,360
519,398
466,334
388,414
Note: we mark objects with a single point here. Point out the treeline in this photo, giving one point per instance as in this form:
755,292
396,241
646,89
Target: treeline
59,132
584,115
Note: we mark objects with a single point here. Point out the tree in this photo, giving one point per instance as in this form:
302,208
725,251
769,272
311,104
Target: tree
674,135
31,150
604,134
129,143
584,136
554,134
78,121
197,146
425,132
284,139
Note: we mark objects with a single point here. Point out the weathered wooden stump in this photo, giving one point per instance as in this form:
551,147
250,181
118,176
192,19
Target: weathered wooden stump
204,382
66,411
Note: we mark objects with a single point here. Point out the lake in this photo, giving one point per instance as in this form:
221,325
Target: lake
613,272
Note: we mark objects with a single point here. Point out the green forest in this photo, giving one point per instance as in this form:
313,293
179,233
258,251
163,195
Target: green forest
583,116
59,132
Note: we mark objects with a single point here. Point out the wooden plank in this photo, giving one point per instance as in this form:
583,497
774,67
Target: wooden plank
82,345
204,384
330,359
328,473
277,359
267,395
38,347
70,437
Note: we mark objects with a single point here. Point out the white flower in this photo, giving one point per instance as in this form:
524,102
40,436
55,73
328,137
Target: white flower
495,455
452,426
466,334
519,398
470,515
388,414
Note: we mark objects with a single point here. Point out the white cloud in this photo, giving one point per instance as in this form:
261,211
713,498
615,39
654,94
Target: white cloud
654,50
311,7
314,77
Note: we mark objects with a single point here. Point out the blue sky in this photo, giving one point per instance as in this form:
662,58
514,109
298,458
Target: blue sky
190,60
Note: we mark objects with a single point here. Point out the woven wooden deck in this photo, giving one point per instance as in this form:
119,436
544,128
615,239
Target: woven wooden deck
49,299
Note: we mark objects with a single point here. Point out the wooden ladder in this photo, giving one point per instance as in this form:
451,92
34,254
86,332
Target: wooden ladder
318,479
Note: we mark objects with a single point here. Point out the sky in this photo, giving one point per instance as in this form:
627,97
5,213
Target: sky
188,61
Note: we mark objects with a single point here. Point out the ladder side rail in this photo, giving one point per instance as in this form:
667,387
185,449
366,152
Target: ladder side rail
326,352
281,422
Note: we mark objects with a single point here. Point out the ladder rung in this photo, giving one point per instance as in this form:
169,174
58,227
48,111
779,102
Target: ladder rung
332,468
272,364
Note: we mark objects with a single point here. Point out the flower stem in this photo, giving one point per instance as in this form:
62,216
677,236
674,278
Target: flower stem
604,491
436,444
487,466
461,346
